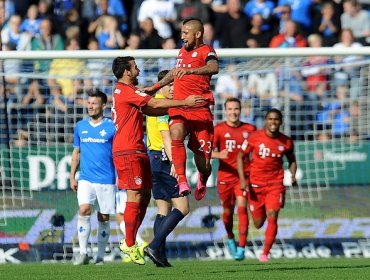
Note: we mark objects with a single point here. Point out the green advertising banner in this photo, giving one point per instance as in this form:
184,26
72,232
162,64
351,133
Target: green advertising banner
330,163
333,162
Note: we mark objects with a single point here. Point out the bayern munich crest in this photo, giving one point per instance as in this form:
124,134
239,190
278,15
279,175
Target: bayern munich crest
138,181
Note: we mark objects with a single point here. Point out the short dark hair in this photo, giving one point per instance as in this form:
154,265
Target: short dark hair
197,20
98,93
232,99
120,64
162,73
276,111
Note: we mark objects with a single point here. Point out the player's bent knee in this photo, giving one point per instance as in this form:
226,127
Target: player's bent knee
258,223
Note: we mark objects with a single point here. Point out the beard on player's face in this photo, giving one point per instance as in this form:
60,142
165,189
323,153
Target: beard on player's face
135,81
95,114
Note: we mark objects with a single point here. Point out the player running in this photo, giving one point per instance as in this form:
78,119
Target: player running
230,136
266,192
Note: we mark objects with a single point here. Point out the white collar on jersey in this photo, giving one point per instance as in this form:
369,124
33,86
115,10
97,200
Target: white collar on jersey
95,124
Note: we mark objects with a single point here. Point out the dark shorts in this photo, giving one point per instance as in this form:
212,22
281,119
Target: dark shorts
164,185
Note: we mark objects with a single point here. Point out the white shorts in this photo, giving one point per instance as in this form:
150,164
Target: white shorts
88,193
121,198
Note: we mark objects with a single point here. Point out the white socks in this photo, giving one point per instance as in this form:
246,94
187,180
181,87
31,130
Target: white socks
83,230
103,236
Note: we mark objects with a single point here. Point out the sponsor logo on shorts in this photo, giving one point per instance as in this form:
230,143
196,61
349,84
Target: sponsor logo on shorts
138,181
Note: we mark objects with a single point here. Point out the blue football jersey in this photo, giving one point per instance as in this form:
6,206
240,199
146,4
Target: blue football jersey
95,143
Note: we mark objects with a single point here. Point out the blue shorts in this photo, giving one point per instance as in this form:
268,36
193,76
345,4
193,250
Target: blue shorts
164,185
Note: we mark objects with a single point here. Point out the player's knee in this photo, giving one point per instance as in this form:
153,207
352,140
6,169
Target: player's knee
258,223
272,213
85,210
103,217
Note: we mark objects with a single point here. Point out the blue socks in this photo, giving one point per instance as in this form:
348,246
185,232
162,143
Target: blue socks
167,225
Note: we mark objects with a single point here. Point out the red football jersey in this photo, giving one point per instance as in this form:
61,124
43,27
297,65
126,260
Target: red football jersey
266,166
194,84
128,118
232,139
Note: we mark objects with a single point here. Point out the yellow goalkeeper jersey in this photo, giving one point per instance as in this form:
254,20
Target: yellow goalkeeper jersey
154,126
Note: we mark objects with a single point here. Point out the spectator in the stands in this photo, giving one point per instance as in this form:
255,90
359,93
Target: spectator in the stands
66,72
31,24
356,19
290,38
46,41
110,38
300,13
162,13
11,32
44,9
327,24
314,70
192,9
347,73
74,20
209,36
149,38
256,37
281,15
231,27
263,7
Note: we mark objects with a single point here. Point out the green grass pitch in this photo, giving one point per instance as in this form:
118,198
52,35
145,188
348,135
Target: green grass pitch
334,268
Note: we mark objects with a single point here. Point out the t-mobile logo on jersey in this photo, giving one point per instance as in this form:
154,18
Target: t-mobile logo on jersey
230,145
263,152
179,64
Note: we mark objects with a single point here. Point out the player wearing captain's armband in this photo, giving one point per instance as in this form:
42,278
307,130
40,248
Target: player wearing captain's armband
129,153
196,63
266,192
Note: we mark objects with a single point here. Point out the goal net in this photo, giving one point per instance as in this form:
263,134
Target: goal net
324,96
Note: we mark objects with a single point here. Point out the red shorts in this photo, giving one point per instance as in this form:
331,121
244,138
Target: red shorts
228,192
265,198
133,171
199,125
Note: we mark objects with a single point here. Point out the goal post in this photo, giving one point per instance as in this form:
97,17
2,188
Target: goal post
323,93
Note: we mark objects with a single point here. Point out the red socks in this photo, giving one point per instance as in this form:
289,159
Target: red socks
270,234
179,159
131,217
227,218
243,225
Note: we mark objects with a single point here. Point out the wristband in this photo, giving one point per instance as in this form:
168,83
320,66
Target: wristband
156,86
